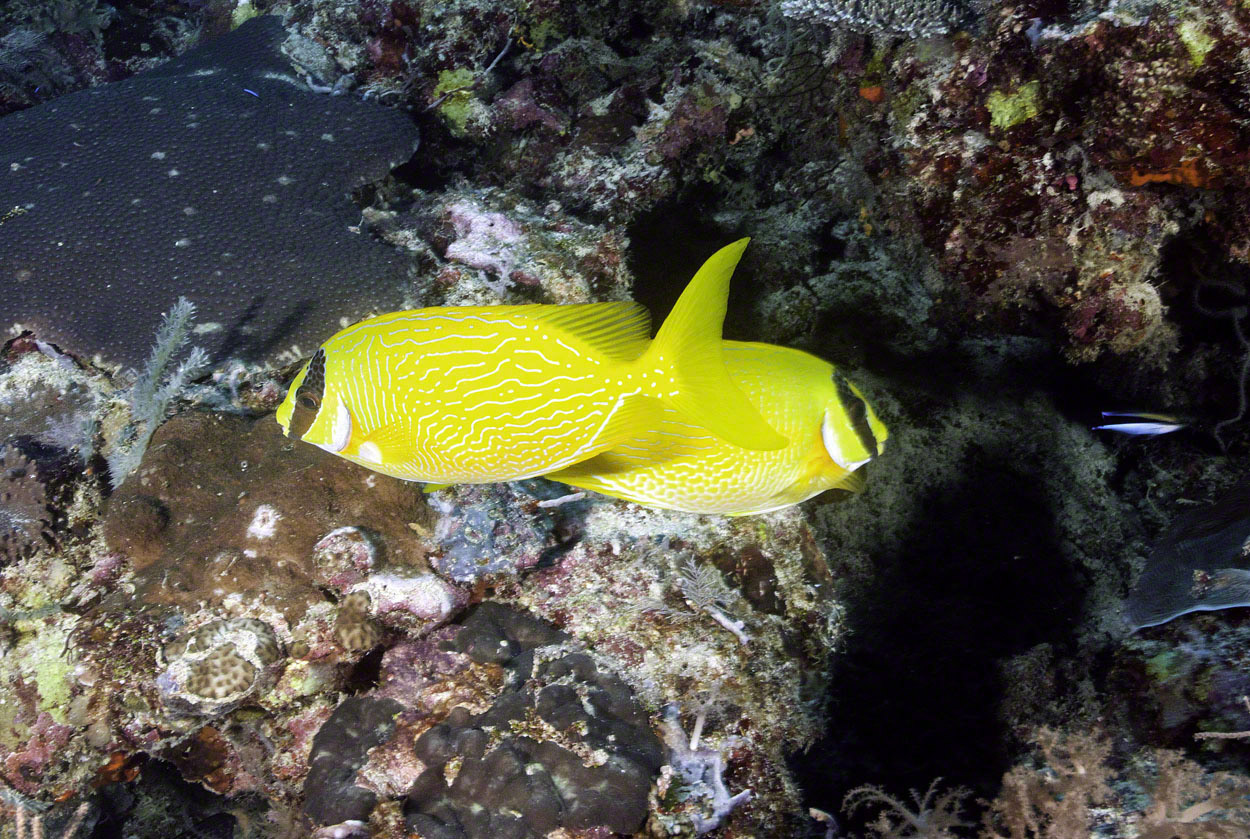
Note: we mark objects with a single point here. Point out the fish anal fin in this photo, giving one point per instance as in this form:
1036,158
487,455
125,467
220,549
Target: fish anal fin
633,416
619,331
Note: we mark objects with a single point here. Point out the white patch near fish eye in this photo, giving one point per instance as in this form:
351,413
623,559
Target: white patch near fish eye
342,428
834,446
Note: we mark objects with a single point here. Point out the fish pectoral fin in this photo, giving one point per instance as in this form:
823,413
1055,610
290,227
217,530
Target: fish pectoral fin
428,488
386,445
851,482
619,331
633,416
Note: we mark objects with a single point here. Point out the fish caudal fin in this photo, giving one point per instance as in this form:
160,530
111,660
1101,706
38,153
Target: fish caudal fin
688,347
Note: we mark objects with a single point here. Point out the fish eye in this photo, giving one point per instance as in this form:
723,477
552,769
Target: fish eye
308,397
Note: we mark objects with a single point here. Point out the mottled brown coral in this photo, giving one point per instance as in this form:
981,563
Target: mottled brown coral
225,505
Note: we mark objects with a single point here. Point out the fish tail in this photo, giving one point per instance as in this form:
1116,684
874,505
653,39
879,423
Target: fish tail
688,352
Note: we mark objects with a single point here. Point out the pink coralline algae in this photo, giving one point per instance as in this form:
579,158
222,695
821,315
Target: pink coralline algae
484,239
24,769
414,603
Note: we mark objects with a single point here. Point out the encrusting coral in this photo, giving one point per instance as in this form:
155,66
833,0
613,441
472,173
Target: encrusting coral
173,157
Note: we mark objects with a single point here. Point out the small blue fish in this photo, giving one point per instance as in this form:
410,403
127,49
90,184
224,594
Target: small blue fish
1141,424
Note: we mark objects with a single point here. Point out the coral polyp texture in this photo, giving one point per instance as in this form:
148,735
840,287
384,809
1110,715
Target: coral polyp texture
197,175
219,664
580,756
917,18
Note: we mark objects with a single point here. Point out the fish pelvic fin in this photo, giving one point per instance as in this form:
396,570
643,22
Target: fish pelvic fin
688,350
851,482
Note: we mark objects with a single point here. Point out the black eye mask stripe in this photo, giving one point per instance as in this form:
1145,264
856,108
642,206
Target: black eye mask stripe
314,385
857,412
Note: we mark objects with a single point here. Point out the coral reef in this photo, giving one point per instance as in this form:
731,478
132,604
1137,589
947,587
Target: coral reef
240,498
582,754
917,18
218,665
999,221
340,748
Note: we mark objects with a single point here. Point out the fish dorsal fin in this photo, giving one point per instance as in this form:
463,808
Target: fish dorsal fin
619,330
688,348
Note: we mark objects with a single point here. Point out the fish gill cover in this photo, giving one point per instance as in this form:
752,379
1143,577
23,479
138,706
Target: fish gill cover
219,176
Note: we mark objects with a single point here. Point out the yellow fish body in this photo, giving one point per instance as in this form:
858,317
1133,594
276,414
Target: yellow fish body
676,465
498,393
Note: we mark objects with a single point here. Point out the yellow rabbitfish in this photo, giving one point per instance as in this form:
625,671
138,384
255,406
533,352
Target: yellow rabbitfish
499,393
676,465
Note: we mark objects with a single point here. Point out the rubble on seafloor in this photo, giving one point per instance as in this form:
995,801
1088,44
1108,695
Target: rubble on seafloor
1001,220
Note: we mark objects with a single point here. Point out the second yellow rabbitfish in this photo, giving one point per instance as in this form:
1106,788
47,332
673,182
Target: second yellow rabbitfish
833,431
499,393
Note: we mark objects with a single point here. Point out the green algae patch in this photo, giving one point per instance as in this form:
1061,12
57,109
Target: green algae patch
242,13
542,33
1196,39
1163,667
42,658
458,106
1008,109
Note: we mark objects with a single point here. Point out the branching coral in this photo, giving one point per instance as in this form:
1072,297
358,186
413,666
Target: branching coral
148,399
917,18
702,769
935,815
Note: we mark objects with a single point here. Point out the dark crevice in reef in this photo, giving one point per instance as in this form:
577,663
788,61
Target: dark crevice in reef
366,672
919,683
190,811
664,256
